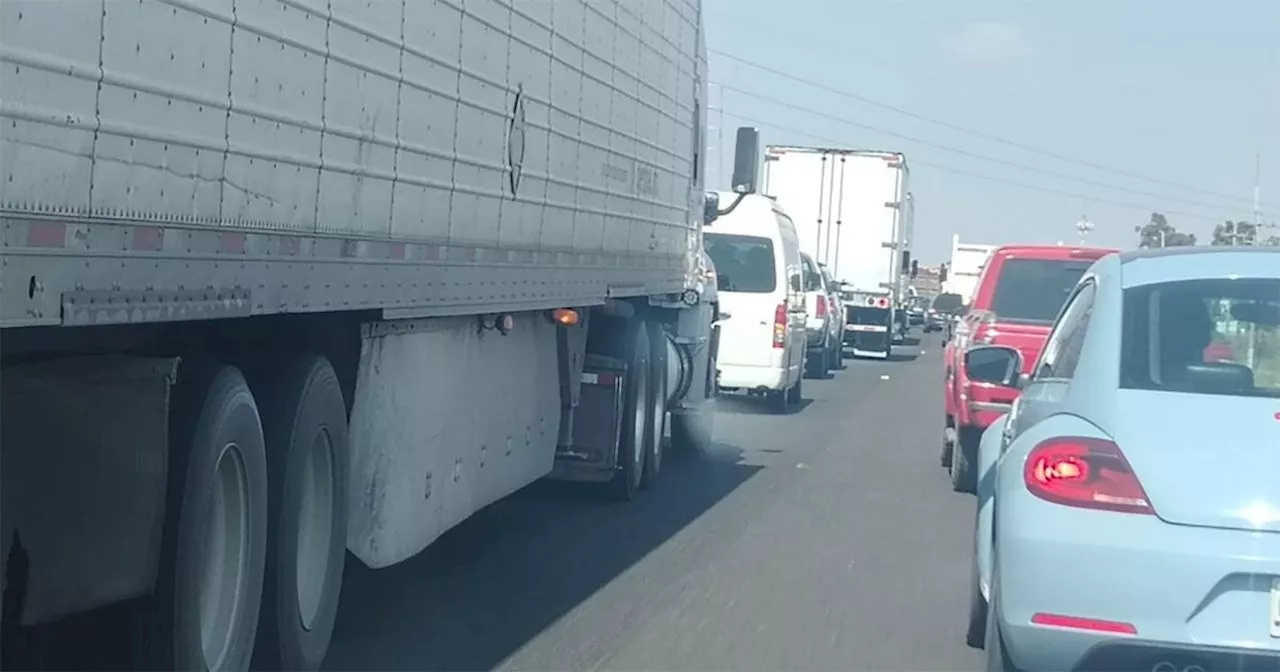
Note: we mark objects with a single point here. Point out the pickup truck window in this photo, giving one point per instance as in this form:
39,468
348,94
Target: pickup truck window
1032,291
743,263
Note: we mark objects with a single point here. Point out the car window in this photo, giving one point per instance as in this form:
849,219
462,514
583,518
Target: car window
743,263
1218,336
1066,340
1032,291
944,303
812,278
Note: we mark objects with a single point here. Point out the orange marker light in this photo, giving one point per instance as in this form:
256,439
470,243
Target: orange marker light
564,317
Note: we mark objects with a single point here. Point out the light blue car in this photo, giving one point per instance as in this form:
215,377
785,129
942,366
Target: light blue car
1129,502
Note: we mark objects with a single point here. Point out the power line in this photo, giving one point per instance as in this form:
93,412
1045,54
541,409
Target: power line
974,132
963,152
990,178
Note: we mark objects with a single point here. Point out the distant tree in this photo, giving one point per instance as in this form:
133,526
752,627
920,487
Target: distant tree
1158,232
1235,233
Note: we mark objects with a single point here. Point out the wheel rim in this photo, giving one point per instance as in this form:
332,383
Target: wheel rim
638,412
226,557
659,415
315,528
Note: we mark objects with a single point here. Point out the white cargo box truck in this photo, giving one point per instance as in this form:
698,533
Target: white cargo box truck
285,278
854,214
967,260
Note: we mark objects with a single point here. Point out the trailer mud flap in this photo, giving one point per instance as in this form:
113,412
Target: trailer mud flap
84,443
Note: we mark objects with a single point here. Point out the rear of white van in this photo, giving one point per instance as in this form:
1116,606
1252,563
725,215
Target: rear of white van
755,339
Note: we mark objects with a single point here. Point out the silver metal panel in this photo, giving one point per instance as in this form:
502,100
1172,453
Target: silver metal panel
424,455
522,127
46,258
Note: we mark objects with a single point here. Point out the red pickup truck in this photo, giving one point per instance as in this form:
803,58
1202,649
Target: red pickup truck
1019,293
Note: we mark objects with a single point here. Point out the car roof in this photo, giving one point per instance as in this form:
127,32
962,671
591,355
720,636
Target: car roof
1150,266
1052,251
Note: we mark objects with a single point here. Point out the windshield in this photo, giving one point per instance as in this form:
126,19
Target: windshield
864,315
1203,337
945,303
743,263
1033,290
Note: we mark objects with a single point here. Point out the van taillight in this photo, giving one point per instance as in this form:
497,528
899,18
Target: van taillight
780,325
821,309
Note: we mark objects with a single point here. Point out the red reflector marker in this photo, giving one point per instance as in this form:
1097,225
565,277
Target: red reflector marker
1090,624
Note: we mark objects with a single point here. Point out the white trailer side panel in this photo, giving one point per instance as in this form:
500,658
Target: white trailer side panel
967,260
840,200
304,155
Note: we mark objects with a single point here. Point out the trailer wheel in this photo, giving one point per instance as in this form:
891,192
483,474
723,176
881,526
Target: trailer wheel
305,423
215,531
635,421
655,434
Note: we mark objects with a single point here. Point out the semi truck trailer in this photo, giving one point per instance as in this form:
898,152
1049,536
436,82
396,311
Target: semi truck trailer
288,279
853,209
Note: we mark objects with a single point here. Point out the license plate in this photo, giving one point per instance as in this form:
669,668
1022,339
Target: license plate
1275,608
866,327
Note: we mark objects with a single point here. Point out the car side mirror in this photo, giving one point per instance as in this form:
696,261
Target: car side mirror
994,364
1024,379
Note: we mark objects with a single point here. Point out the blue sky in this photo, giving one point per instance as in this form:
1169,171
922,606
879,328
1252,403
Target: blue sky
1183,92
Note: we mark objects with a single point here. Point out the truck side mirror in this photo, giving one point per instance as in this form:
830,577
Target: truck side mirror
906,262
942,273
915,268
710,208
746,161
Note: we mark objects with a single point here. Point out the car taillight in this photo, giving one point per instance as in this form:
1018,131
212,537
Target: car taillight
1084,472
780,325
821,309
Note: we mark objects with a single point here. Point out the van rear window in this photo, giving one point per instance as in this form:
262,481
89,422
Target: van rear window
743,263
1032,291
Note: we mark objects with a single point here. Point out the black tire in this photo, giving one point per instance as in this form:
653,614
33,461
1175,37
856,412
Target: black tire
631,444
655,433
813,366
779,401
963,453
976,629
216,442
305,423
947,444
796,394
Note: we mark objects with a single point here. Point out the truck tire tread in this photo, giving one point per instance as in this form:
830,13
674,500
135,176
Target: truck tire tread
303,410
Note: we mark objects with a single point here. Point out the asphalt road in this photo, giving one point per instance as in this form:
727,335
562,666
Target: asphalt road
824,540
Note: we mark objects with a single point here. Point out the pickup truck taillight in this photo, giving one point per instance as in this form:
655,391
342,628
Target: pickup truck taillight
820,310
780,326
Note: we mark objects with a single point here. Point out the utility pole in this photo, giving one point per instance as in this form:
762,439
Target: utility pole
1257,199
